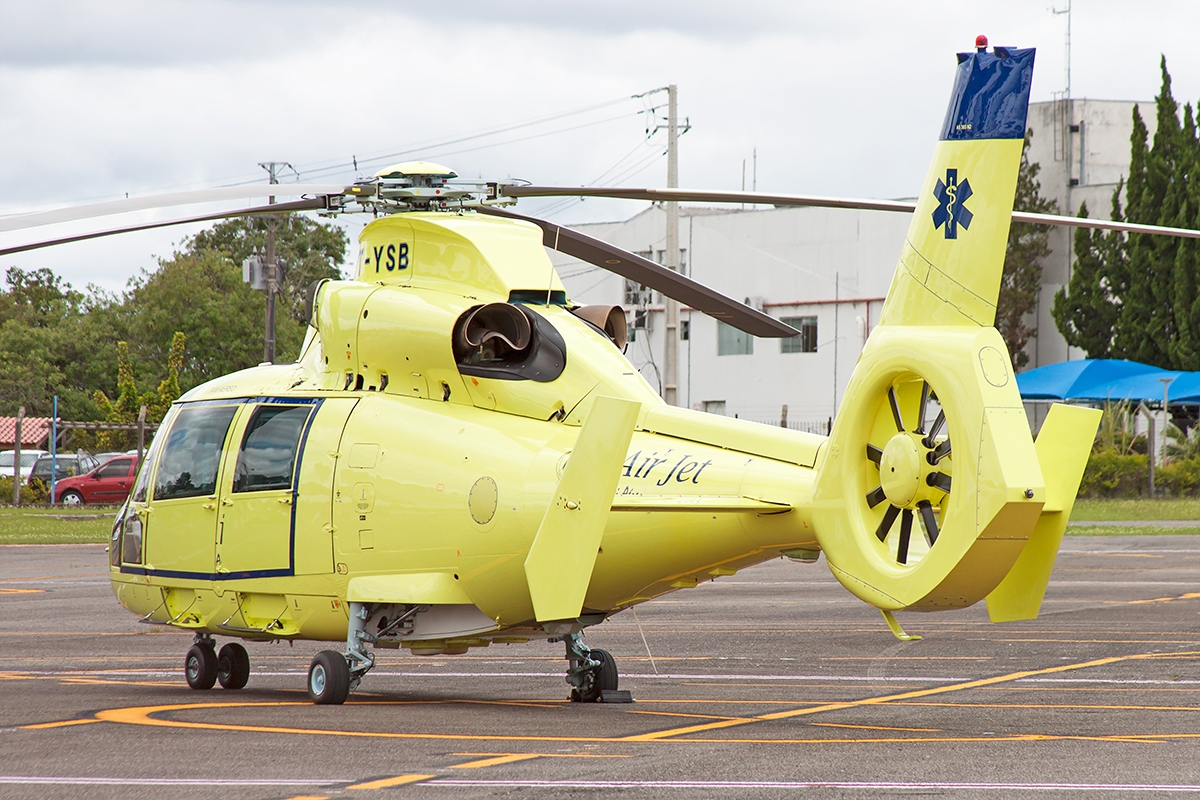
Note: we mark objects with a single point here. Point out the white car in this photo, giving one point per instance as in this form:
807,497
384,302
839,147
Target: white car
28,458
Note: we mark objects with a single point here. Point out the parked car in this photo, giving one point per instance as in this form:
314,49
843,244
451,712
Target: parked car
66,465
104,458
108,483
28,457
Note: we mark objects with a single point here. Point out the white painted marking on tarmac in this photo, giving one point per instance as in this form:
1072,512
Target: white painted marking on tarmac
1123,552
935,680
873,785
96,780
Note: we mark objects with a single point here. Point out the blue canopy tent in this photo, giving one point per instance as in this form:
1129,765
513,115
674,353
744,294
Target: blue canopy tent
1186,389
1145,388
1071,380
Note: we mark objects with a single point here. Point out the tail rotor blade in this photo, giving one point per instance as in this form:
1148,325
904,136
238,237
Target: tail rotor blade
931,526
895,404
906,523
885,524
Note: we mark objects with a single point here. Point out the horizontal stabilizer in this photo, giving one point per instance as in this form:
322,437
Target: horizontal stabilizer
563,554
1063,447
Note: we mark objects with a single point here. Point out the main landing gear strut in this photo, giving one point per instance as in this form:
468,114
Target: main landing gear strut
589,672
332,675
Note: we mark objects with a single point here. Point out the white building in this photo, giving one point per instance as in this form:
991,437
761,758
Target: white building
826,272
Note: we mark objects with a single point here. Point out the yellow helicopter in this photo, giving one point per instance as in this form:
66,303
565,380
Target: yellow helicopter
461,456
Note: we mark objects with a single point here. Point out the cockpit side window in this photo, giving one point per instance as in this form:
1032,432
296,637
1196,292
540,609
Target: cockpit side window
192,453
267,457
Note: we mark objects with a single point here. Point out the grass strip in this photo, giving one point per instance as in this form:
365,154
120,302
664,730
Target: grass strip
55,525
1137,508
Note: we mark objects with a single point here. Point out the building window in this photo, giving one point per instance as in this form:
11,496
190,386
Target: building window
636,294
685,329
732,342
714,407
806,342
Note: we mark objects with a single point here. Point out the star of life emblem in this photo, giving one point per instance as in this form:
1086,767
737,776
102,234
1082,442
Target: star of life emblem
952,210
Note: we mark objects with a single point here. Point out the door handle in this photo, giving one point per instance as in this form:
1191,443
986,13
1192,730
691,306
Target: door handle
225,501
209,506
287,501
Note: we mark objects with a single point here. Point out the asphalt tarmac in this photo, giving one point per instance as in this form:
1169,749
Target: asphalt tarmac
774,682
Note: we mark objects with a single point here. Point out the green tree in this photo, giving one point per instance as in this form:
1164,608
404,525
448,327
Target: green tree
1027,246
201,295
52,342
1184,195
128,404
1087,315
307,251
1145,286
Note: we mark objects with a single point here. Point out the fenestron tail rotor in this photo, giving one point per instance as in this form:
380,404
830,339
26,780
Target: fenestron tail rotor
910,472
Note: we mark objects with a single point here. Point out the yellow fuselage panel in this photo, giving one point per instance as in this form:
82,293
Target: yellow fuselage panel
424,488
458,253
953,256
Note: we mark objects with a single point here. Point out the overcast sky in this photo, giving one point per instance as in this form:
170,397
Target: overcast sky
108,97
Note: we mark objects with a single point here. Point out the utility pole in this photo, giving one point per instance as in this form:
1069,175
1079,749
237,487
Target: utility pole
271,265
671,334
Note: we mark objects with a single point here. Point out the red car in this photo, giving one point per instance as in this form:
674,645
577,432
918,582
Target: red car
107,484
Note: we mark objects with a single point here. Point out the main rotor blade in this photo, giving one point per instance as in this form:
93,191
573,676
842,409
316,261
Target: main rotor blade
657,277
815,201
275,208
1103,224
704,196
22,221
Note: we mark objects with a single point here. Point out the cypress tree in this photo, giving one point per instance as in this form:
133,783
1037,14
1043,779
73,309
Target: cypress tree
1147,323
1185,197
1028,244
1087,314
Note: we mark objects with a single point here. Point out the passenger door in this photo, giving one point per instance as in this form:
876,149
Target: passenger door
258,489
179,521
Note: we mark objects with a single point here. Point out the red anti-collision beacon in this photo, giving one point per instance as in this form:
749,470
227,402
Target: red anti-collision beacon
981,43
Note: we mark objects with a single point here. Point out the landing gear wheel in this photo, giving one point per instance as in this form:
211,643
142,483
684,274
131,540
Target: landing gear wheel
233,666
329,678
200,666
600,679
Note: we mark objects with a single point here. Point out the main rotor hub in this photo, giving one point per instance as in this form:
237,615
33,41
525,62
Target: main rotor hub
900,470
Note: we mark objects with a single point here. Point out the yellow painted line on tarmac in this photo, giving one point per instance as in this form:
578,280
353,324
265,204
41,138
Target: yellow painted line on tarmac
41,726
884,699
497,760
547,755
384,783
142,715
8,590
147,716
693,716
874,727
